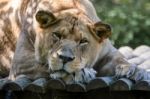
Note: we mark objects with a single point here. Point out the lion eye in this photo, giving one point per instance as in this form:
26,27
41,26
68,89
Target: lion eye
56,35
84,41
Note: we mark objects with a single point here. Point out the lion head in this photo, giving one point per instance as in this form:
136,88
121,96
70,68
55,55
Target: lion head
67,42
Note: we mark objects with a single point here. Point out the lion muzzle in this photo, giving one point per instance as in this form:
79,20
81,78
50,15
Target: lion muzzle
66,55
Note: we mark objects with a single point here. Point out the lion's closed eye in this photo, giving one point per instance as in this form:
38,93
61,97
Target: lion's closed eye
56,36
83,41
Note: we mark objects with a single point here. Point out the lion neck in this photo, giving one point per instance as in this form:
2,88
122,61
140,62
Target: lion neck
105,49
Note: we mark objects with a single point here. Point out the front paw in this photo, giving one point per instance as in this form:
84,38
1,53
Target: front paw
85,75
132,72
126,70
140,74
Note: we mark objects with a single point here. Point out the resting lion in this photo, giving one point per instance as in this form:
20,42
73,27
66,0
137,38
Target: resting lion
59,39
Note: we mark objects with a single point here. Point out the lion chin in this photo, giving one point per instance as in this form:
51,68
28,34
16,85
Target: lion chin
70,71
82,76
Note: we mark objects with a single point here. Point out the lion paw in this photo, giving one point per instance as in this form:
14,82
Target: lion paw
84,75
132,72
140,74
125,70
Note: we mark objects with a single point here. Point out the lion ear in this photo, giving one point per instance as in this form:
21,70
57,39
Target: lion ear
102,30
45,18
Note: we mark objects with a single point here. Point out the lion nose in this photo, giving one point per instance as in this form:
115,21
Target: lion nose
66,59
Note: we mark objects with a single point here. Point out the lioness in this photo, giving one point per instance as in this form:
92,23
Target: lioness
59,39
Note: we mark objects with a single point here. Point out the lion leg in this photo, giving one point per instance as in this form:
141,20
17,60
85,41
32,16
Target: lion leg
128,70
132,72
140,74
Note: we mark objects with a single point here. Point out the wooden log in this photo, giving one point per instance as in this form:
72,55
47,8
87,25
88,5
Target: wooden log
56,84
23,81
122,84
142,85
10,95
77,87
57,94
3,82
125,95
19,84
30,95
2,94
100,82
12,86
38,86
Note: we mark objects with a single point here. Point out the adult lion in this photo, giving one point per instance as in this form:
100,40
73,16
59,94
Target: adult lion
61,39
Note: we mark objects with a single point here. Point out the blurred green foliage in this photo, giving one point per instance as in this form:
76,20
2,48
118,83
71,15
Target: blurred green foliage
130,20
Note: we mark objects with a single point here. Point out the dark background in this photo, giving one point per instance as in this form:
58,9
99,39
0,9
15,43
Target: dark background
130,20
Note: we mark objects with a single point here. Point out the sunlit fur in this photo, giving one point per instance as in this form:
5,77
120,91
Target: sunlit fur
18,24
38,44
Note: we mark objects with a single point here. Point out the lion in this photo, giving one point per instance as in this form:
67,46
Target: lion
63,39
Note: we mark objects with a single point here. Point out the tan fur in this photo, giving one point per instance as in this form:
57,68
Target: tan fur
58,39
17,17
